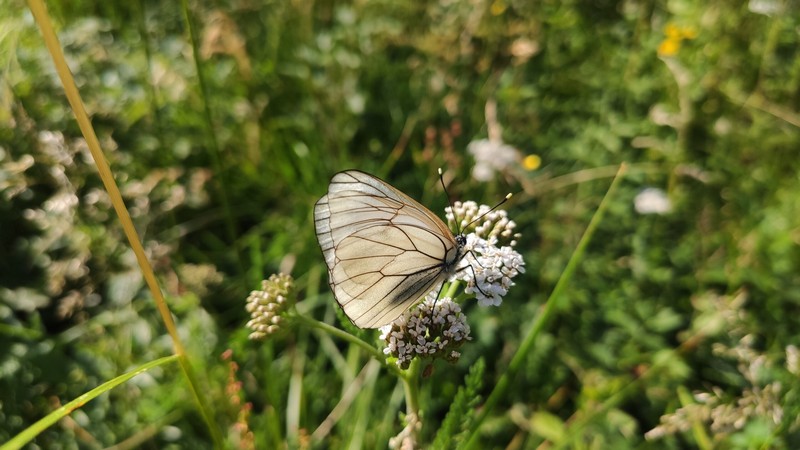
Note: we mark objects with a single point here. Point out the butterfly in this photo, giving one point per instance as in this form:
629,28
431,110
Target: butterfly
383,249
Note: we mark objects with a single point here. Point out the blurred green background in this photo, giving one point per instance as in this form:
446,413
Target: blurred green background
222,145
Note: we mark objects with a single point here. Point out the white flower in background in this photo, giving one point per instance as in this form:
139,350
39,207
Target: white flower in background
491,156
432,329
765,7
652,201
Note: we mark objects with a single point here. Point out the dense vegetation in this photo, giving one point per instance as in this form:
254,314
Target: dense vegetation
222,125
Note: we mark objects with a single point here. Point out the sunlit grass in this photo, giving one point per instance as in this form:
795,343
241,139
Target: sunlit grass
221,127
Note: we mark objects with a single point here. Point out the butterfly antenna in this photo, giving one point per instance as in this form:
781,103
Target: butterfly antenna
452,209
508,196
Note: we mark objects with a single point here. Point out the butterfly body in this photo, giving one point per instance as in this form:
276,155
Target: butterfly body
383,249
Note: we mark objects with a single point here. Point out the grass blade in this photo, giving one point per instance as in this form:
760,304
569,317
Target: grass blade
32,431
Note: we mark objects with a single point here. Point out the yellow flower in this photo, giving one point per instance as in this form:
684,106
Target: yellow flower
674,35
669,47
532,162
498,7
672,31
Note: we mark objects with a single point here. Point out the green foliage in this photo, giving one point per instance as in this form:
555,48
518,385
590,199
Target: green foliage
462,410
669,318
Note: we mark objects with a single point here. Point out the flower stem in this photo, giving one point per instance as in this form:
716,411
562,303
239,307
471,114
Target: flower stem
451,288
341,334
411,386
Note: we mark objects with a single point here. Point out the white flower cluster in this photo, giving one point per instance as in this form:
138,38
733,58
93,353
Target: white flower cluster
652,201
489,266
433,329
491,156
267,305
490,270
493,224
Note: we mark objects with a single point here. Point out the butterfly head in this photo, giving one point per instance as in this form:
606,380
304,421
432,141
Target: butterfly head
461,242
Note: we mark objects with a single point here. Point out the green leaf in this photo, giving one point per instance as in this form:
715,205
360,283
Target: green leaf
548,425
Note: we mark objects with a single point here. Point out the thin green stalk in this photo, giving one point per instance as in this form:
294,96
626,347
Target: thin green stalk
452,288
150,83
555,300
341,334
294,400
411,387
213,147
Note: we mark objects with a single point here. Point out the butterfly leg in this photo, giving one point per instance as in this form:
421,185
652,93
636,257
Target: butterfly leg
474,275
436,299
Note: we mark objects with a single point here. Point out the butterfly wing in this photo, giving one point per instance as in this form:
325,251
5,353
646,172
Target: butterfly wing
383,249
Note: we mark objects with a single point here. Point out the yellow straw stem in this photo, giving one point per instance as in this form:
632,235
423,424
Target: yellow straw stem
73,96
